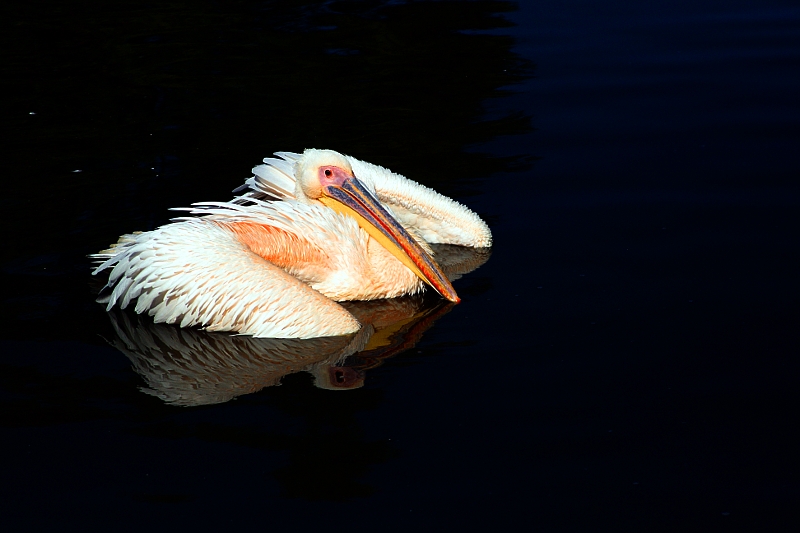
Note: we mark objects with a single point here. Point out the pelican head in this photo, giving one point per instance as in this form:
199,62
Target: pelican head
327,177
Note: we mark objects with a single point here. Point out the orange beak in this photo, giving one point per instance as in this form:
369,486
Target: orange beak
347,195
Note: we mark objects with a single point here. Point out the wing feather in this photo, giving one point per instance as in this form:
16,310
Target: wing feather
433,216
195,272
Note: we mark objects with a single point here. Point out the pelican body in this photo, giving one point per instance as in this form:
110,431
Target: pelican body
310,229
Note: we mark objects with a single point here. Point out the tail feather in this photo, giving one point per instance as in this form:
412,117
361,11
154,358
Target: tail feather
273,180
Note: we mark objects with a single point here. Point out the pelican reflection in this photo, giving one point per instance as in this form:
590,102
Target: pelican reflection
187,367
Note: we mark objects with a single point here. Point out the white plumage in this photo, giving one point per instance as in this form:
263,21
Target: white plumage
270,263
432,216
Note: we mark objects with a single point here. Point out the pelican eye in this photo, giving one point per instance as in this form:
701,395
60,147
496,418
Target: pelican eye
328,173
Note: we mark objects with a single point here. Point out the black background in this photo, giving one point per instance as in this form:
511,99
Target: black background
627,359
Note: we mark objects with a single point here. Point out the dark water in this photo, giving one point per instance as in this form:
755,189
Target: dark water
627,358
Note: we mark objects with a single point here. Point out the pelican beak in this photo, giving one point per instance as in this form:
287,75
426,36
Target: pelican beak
350,197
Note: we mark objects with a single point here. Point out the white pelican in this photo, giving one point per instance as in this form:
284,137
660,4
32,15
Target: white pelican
314,228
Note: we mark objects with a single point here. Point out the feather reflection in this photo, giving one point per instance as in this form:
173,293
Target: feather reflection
190,367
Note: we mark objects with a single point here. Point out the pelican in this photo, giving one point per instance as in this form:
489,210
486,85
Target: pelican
311,229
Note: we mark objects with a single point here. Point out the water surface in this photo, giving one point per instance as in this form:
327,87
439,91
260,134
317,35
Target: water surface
625,358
